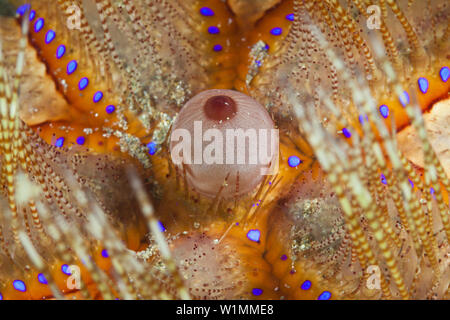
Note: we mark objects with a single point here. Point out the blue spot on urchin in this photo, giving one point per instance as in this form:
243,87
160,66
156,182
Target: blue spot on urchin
38,25
23,8
257,291
383,179
60,51
217,48
306,285
276,31
81,140
363,119
110,109
66,270
384,111
19,285
444,73
97,96
161,226
72,66
423,85
346,133
326,295
152,148
207,12
50,36
294,161
83,83
404,98
42,278
254,235
213,30
59,142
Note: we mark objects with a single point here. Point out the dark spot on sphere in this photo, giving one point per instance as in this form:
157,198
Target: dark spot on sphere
220,108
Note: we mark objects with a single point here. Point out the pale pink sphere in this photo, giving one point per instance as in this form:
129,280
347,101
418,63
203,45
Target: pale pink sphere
206,139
